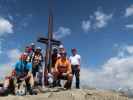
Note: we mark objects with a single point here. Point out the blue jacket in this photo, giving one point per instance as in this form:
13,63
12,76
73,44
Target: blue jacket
22,67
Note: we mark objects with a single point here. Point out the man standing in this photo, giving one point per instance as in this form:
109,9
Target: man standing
75,64
36,60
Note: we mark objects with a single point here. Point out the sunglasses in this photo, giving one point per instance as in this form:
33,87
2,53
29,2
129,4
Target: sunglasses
63,54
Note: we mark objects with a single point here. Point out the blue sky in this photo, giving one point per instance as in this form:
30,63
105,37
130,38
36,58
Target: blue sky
29,17
99,29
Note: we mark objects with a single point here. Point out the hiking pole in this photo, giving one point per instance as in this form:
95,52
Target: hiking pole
43,65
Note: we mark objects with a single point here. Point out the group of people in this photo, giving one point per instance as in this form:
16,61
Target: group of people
64,67
30,69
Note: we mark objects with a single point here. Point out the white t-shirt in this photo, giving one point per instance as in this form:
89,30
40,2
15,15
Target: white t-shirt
75,60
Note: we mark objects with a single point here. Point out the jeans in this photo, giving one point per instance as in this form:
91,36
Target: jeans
76,73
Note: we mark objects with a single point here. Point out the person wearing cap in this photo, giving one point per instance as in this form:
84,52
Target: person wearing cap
23,70
37,59
75,64
63,70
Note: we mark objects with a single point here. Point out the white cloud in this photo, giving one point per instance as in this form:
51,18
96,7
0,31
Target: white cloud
5,27
62,32
125,50
129,11
129,26
113,74
86,25
129,49
98,20
101,19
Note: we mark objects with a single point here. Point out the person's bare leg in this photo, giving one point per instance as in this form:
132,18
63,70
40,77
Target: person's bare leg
69,81
31,81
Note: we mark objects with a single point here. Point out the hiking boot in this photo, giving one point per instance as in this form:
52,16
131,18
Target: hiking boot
32,92
4,92
77,87
68,85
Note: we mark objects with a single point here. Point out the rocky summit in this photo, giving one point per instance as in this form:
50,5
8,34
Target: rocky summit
73,94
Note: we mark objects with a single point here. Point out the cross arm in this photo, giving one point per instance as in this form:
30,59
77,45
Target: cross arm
45,41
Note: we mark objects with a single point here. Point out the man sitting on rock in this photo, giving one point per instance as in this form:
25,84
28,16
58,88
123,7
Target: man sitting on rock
23,71
63,70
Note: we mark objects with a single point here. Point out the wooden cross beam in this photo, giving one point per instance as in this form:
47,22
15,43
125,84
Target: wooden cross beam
49,42
48,55
45,41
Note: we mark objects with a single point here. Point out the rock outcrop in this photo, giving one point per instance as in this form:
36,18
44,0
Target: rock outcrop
81,94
